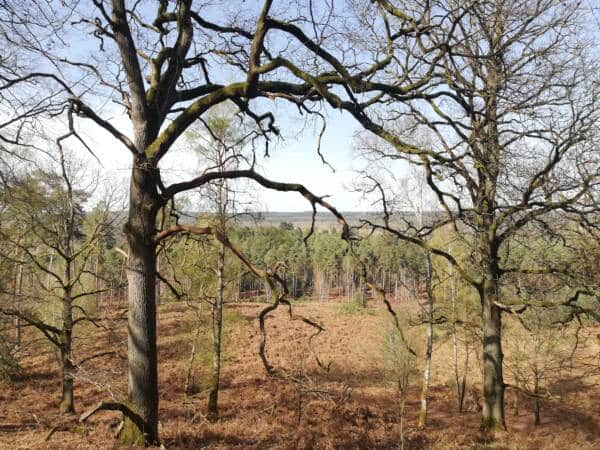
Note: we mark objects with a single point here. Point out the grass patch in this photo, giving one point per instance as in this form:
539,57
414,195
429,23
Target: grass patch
354,308
233,318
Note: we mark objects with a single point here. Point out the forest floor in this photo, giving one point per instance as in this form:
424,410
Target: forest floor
352,405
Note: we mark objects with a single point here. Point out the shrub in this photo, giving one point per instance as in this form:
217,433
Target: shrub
9,366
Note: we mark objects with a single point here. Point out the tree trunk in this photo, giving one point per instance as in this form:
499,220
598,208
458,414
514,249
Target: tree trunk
157,287
364,292
97,281
141,277
493,382
66,405
403,280
429,344
461,386
213,395
459,395
536,404
17,301
187,388
402,407
49,271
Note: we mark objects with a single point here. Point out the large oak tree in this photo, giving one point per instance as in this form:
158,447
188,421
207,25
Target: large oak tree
161,65
512,108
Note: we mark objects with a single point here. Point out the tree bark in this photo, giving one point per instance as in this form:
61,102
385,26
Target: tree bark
17,301
157,295
536,406
536,376
493,382
66,405
187,388
459,389
141,277
429,345
213,395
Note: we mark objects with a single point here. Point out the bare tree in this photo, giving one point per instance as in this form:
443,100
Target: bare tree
163,65
161,79
420,184
512,107
222,146
44,220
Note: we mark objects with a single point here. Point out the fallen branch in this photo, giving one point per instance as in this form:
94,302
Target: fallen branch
97,355
528,393
53,430
66,428
113,406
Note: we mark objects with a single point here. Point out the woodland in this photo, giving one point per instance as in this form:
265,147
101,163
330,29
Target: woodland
170,310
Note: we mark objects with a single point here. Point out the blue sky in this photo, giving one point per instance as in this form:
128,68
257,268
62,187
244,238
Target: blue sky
293,159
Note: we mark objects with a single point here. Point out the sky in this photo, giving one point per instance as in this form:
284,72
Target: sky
293,158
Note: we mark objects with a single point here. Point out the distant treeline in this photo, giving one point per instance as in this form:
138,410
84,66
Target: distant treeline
319,266
324,220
